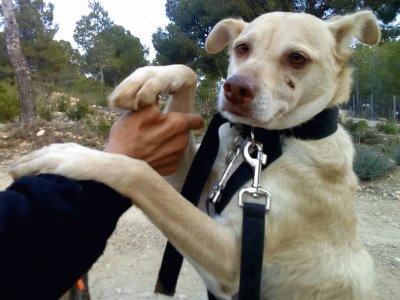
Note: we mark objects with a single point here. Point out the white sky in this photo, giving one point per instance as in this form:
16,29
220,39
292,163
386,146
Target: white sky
140,17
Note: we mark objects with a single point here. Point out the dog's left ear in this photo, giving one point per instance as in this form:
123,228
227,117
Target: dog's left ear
223,34
362,26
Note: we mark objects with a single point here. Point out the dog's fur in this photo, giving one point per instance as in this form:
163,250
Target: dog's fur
284,69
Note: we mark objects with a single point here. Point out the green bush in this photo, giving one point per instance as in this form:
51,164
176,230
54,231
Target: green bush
78,112
370,137
370,164
102,101
103,127
9,105
388,127
397,156
63,103
357,129
45,112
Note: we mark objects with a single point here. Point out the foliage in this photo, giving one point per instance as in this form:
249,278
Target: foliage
357,129
128,54
376,74
192,21
111,52
63,103
46,112
45,107
397,156
9,107
90,35
370,164
388,127
167,41
79,111
103,127
45,56
6,69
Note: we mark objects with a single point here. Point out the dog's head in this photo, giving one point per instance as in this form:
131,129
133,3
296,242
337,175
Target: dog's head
286,67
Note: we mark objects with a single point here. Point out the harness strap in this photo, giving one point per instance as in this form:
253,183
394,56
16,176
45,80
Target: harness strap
191,190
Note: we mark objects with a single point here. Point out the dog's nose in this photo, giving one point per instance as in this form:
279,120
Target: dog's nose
238,89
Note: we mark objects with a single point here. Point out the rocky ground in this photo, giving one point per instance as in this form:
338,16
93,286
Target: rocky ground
129,266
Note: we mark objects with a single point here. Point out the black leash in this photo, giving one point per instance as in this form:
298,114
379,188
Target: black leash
253,228
322,125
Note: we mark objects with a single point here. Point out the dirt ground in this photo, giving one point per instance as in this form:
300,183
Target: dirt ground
129,265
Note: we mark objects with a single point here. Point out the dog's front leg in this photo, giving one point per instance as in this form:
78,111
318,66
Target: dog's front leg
211,246
144,87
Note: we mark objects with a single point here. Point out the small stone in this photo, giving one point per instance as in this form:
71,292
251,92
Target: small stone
40,132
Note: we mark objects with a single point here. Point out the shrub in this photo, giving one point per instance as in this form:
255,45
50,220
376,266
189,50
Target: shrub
62,103
9,105
388,127
78,112
397,156
370,164
103,127
356,129
370,137
45,112
102,101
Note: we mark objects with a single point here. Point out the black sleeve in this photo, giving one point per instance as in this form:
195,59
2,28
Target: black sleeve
52,229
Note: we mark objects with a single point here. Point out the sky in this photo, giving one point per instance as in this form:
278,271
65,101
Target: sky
140,17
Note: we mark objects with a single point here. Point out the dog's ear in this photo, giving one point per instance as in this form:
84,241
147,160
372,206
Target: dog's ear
223,34
362,26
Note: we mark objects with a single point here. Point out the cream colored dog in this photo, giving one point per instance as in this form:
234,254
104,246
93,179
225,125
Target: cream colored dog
284,69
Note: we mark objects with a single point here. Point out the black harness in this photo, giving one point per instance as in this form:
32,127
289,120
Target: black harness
322,125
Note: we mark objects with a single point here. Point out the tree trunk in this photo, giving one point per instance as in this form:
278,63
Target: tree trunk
102,80
17,59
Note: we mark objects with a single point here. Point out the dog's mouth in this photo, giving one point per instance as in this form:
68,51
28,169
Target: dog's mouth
236,109
263,116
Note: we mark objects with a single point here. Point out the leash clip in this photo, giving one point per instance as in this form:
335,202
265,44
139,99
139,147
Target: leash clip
255,190
231,159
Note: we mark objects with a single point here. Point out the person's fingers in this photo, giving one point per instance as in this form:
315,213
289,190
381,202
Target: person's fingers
150,113
167,165
145,115
178,122
175,144
194,121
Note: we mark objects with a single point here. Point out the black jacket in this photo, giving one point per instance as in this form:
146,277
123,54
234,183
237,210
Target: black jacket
52,229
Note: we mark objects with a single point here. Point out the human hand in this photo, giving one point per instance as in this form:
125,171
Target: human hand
159,139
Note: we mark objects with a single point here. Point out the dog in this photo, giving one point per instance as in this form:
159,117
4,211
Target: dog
284,69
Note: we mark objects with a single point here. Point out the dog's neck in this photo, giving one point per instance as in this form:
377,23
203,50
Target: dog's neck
320,126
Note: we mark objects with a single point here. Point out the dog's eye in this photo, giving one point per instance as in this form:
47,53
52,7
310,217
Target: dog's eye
297,59
242,49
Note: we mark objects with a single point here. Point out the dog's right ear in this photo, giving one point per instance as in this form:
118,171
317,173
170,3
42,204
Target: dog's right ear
223,34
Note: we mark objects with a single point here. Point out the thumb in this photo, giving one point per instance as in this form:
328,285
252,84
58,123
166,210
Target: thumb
194,121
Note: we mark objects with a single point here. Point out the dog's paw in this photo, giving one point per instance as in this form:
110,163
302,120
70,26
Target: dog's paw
63,159
76,162
144,86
